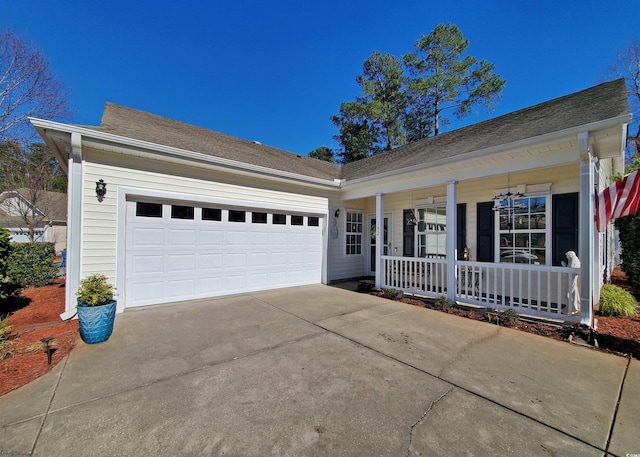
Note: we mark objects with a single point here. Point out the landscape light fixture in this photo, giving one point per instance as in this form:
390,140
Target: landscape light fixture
47,347
101,189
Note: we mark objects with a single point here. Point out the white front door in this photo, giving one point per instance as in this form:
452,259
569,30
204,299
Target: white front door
387,236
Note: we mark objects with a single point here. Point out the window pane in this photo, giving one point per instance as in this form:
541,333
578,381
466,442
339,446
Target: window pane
279,219
313,221
144,209
237,216
259,218
182,212
538,240
297,220
211,214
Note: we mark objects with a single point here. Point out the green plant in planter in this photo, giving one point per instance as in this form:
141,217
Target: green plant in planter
96,309
95,291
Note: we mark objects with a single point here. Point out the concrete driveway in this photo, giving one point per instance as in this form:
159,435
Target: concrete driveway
321,371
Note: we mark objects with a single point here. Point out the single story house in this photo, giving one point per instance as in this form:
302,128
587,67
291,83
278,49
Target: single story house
483,214
49,216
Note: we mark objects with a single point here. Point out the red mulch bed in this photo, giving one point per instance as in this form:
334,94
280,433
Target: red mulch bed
618,335
36,315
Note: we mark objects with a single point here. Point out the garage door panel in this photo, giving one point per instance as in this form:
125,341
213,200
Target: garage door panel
181,237
181,288
210,261
210,286
236,238
258,238
182,263
145,236
258,259
209,238
235,259
146,264
144,292
179,259
235,282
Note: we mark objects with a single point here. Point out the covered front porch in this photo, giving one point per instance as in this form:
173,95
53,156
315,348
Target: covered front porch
454,238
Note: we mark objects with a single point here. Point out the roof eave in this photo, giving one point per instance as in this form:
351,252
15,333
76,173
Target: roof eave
622,120
44,127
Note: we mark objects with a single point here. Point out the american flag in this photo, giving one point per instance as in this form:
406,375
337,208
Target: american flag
619,199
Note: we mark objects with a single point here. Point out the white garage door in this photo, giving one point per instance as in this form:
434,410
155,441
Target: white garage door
180,252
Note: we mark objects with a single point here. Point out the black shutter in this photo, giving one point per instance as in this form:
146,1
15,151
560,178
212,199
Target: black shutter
408,234
564,235
485,232
462,229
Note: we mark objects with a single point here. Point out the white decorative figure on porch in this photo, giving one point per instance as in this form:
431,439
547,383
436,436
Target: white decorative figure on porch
574,262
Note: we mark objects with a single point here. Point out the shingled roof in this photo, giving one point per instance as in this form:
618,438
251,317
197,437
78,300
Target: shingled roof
604,101
132,123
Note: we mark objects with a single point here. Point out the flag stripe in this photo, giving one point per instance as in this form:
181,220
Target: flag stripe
619,199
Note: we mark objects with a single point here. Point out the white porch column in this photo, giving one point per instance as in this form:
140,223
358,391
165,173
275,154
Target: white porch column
587,228
74,224
379,238
452,238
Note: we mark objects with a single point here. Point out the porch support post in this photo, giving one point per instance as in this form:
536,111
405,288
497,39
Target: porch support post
587,226
452,230
379,238
74,225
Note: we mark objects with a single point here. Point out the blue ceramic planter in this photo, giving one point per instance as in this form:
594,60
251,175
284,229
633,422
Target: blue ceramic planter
96,322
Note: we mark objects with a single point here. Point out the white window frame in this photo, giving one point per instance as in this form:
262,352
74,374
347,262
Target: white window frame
347,233
547,231
434,231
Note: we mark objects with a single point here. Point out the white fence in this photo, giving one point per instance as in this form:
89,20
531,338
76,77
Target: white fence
529,289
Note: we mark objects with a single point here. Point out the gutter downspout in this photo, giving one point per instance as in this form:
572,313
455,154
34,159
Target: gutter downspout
74,225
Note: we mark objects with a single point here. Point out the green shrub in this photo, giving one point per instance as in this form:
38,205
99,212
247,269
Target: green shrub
393,294
629,229
6,288
95,290
443,303
508,317
615,301
6,349
366,286
31,264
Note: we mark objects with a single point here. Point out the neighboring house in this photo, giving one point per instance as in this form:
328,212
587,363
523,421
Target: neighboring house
49,217
192,213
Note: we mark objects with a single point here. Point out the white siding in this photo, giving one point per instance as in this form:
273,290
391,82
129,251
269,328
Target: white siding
99,219
342,266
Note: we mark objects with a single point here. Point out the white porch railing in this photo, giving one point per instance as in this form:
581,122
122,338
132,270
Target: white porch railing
529,289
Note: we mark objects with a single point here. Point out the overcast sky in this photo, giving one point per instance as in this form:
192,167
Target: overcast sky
275,71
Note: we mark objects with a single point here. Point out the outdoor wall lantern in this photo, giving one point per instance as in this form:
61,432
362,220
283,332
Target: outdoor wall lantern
412,221
337,213
101,189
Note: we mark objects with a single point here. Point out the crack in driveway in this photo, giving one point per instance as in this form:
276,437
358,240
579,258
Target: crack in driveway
423,417
466,349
